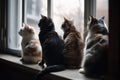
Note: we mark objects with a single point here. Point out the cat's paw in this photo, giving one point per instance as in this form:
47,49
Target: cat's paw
81,70
41,64
21,60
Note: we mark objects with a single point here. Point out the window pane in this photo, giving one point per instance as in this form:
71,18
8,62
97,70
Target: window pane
70,9
33,10
14,23
102,9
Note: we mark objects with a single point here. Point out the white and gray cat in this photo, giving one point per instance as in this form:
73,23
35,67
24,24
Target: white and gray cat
31,49
94,61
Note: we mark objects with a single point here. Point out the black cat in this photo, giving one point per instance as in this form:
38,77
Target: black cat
52,47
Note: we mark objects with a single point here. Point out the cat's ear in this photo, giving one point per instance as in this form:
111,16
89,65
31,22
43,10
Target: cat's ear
26,26
23,24
72,21
42,16
65,19
69,21
103,17
91,18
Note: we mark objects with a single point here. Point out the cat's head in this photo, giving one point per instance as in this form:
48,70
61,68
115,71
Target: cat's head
46,23
26,30
67,25
97,25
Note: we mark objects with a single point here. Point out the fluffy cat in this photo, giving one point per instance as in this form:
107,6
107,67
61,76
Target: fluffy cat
73,45
31,49
52,47
94,63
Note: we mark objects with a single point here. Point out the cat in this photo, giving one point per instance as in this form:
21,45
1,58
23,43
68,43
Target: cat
52,47
94,63
31,49
74,45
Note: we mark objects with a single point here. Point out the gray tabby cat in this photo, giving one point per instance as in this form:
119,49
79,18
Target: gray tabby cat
94,63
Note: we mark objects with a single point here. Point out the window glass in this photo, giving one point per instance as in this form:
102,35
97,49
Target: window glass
102,9
14,23
33,10
70,9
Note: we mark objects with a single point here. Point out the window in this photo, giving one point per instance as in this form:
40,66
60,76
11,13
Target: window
60,10
14,23
33,10
76,10
72,9
102,9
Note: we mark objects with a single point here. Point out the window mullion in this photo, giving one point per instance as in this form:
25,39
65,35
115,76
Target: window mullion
24,11
49,8
90,10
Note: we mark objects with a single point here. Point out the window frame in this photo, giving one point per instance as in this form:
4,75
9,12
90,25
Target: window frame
8,23
89,9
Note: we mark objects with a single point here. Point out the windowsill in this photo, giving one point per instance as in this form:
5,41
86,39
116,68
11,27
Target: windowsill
67,74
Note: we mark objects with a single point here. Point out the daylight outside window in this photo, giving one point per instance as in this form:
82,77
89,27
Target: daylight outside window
34,8
14,23
70,9
102,9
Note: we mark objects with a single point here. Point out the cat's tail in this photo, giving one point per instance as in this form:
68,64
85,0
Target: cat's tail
49,69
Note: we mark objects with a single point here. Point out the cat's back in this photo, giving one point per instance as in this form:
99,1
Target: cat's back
53,47
73,50
53,42
75,39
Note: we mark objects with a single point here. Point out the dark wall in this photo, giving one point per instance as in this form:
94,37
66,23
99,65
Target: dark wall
114,24
3,9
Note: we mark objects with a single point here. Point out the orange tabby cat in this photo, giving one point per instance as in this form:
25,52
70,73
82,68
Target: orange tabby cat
30,45
73,45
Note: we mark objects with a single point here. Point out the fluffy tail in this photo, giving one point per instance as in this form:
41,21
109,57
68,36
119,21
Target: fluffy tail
47,70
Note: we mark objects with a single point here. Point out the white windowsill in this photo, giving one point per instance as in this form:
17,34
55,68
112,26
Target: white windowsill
67,74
